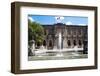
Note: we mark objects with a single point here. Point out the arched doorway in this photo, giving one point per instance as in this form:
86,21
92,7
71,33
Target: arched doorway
80,43
44,43
74,42
68,43
38,45
50,44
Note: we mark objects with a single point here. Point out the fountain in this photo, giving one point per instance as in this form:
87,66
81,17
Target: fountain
60,39
59,45
76,51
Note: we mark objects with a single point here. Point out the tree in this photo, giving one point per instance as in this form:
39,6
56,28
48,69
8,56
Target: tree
35,32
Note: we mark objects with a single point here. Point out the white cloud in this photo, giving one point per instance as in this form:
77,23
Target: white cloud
68,23
82,24
31,19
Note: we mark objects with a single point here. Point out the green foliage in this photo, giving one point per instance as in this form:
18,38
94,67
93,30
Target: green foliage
36,32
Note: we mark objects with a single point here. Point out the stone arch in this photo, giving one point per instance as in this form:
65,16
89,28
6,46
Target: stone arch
69,43
38,43
80,43
44,43
50,44
74,42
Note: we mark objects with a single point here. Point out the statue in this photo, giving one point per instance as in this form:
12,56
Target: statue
59,19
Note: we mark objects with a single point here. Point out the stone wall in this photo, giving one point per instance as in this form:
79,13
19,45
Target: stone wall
72,35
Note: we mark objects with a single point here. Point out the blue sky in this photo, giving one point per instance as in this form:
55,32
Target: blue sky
68,20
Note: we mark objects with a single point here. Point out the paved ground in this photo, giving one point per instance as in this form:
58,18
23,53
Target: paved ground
58,56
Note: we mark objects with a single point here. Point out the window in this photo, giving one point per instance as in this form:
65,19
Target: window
74,31
80,43
38,43
44,43
69,32
74,42
79,31
50,43
69,43
45,33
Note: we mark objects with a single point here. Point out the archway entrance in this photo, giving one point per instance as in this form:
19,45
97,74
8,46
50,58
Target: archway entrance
50,44
74,42
80,43
69,43
44,43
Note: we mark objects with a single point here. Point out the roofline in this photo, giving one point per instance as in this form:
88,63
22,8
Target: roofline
69,25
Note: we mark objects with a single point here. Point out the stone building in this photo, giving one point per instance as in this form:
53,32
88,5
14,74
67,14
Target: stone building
70,36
